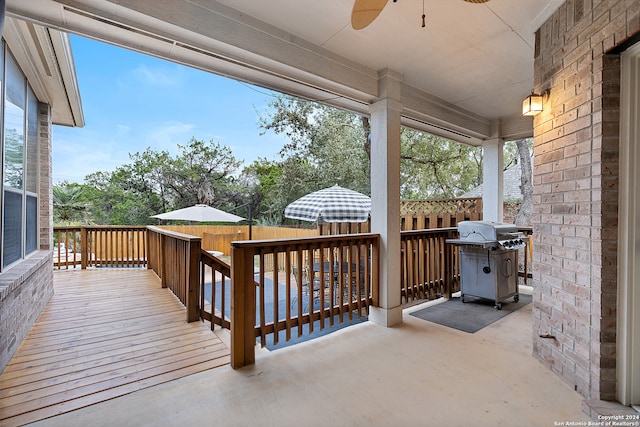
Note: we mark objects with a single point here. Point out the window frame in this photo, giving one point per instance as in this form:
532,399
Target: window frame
29,181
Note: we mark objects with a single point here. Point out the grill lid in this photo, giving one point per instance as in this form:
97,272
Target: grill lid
485,231
488,234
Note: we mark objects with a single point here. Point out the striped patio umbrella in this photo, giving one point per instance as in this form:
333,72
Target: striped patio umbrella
333,204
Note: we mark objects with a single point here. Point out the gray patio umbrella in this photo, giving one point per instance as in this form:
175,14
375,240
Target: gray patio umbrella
199,213
333,204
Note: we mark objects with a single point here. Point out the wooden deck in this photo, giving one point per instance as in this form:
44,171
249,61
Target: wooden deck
104,334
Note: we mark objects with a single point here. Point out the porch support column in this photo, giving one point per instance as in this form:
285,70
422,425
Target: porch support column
492,180
385,196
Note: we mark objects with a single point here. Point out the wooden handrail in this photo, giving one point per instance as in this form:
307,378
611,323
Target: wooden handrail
100,246
429,267
175,258
315,282
312,269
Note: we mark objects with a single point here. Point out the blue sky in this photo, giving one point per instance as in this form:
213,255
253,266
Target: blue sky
133,101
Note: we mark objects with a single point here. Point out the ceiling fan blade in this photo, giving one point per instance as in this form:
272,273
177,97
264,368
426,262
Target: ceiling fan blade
364,12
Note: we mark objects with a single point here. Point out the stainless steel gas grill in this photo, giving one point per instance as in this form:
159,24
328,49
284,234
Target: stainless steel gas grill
489,260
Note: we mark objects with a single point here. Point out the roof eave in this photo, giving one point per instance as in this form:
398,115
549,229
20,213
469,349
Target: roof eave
44,55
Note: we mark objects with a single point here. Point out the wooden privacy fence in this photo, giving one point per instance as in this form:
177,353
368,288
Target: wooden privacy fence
175,258
322,281
429,267
219,237
100,246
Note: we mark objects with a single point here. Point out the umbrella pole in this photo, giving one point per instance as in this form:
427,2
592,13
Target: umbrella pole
250,222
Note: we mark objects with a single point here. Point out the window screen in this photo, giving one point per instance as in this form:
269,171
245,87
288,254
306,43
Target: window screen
12,230
31,242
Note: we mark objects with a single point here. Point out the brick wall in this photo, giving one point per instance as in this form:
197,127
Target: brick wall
25,289
576,191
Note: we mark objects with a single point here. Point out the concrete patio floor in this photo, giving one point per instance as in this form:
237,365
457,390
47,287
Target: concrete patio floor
415,374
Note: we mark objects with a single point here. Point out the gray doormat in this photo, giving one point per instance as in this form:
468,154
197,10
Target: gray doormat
471,316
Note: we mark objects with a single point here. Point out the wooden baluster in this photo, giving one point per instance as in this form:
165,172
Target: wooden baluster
375,270
299,279
355,266
276,296
287,267
332,285
341,289
323,284
311,286
448,271
350,281
263,320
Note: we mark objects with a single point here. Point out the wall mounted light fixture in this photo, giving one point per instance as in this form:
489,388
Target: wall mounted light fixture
532,105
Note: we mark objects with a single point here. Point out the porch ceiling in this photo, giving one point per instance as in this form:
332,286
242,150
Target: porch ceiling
463,76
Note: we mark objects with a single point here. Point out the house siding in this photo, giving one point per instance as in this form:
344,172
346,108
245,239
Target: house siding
27,287
575,218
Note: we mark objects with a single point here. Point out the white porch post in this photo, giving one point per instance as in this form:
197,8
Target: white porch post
385,196
492,182
628,344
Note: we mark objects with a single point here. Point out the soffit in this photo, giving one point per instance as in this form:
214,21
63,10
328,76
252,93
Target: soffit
467,71
44,57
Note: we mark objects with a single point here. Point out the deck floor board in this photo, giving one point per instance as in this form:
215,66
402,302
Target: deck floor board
104,334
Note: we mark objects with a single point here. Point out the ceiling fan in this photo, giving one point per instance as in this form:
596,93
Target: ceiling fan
364,12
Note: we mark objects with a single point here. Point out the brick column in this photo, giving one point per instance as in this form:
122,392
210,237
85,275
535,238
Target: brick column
45,179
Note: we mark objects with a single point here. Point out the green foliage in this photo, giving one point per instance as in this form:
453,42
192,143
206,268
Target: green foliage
326,146
331,140
433,167
200,174
68,205
154,182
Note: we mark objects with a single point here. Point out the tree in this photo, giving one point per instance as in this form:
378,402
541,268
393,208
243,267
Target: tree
279,183
326,148
112,199
330,139
332,146
433,167
68,206
156,182
523,216
200,173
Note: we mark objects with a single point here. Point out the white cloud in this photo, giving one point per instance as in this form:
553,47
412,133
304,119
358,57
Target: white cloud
74,159
123,129
167,135
162,77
